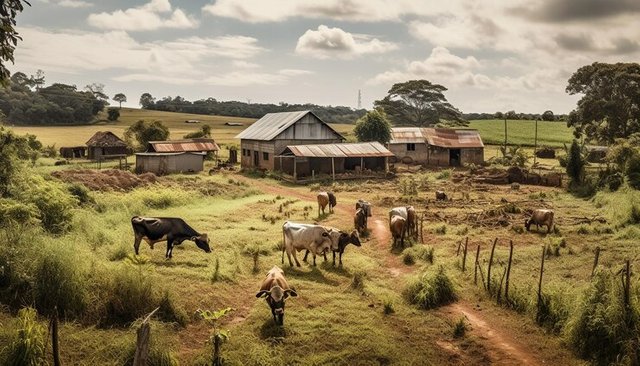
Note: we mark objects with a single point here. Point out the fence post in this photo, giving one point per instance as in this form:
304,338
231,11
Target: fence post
53,325
544,249
595,261
142,342
464,254
475,270
493,249
458,250
627,284
421,232
506,284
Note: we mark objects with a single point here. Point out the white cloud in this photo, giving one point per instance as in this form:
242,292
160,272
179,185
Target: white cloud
154,15
328,42
74,4
294,72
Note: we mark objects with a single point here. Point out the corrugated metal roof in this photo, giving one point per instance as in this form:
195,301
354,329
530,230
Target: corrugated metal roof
407,135
169,154
273,124
189,145
354,150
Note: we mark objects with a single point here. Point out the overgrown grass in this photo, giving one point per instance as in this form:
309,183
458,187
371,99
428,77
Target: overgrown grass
27,348
431,289
522,132
460,328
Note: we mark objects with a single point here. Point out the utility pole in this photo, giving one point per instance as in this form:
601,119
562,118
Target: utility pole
535,144
359,99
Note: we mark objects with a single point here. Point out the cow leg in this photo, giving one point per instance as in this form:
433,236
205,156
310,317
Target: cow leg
324,254
548,229
136,243
314,259
295,257
334,258
169,249
306,254
340,259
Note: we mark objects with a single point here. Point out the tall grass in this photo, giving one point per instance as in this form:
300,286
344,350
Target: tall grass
621,207
28,345
431,289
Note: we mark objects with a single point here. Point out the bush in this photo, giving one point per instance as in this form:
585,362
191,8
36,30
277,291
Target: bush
169,311
130,295
28,348
113,114
357,283
422,252
81,193
14,212
408,258
431,290
387,307
444,174
633,171
460,328
53,201
552,312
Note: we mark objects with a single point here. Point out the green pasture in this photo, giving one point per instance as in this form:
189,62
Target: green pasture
519,132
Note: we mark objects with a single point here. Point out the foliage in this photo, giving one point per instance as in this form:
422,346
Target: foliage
373,126
53,201
460,328
129,296
575,163
548,116
28,348
8,35
120,98
633,171
512,156
419,103
205,131
431,290
113,114
141,132
388,307
218,336
608,108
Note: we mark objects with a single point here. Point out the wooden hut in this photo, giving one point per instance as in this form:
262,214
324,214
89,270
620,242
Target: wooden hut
437,146
106,145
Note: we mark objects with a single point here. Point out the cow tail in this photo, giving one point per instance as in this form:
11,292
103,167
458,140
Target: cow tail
283,245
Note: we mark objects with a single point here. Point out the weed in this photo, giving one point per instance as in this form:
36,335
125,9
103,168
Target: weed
460,328
518,229
441,229
120,253
215,277
28,346
171,312
130,295
444,174
388,307
431,290
408,258
357,283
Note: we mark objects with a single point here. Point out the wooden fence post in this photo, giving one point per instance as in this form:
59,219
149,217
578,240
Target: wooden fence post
506,284
142,342
475,270
627,284
464,254
458,250
421,232
493,249
595,261
544,249
53,325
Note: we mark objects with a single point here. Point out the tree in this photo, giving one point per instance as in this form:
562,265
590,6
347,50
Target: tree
37,80
120,98
499,115
147,101
113,114
511,115
548,116
9,9
142,132
610,105
575,163
204,131
373,126
418,103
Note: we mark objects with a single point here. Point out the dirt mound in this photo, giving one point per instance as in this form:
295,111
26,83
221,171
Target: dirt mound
546,153
105,180
511,175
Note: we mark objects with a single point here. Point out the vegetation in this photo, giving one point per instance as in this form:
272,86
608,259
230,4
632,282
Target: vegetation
8,35
419,103
140,133
431,290
522,132
28,345
575,163
113,114
373,126
120,98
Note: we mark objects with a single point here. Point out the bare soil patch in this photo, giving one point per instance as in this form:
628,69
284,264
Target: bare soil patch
106,180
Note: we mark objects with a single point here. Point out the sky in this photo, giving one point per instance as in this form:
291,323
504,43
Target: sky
491,55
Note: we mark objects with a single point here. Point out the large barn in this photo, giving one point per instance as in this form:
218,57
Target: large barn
436,146
269,136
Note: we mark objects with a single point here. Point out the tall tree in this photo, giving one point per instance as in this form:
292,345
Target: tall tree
575,163
418,103
147,100
610,105
142,132
9,37
548,116
38,79
120,98
373,126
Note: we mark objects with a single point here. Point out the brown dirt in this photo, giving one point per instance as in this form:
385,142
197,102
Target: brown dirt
105,180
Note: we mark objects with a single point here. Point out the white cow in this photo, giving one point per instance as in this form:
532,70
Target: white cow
298,237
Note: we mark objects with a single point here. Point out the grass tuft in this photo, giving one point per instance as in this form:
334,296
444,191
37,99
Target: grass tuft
431,290
460,328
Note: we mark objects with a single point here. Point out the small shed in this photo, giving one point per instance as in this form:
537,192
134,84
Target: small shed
436,146
168,163
302,161
73,152
409,145
105,145
188,145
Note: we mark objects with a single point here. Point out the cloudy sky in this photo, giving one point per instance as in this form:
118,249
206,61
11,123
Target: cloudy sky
491,54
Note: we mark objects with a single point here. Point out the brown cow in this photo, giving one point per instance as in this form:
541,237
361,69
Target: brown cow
360,220
276,289
540,217
412,222
398,226
324,199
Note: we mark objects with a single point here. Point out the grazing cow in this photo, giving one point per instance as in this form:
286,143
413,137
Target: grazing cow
360,220
339,240
409,214
324,199
397,225
366,206
173,230
540,217
441,196
276,289
297,237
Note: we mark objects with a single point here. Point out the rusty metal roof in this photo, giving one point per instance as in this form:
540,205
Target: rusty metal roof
169,154
189,145
353,150
273,124
442,137
407,135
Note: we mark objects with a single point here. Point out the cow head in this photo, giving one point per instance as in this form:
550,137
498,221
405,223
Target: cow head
346,239
202,242
275,298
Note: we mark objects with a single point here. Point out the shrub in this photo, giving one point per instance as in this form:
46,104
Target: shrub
387,307
14,212
444,174
113,114
81,193
460,328
575,163
171,312
431,290
28,347
422,252
54,203
408,258
633,171
441,229
552,312
130,295
357,283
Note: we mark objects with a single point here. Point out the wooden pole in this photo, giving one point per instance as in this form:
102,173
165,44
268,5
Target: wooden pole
595,261
464,254
535,143
627,284
333,168
506,284
142,342
295,169
421,232
493,249
544,249
505,132
458,250
475,270
54,337
362,165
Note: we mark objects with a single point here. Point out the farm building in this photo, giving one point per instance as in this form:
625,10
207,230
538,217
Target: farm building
304,161
106,145
436,146
168,163
269,136
73,152
189,145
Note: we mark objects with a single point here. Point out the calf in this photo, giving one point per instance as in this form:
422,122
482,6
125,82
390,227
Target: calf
360,220
409,214
276,289
297,237
397,225
324,199
173,230
540,217
441,196
339,240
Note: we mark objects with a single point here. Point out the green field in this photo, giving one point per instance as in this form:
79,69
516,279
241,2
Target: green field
523,132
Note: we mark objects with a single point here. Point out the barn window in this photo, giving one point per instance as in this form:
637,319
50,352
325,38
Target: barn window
411,147
265,156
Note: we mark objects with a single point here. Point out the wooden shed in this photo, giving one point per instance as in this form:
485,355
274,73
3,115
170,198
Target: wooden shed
105,145
437,146
168,163
269,136
73,152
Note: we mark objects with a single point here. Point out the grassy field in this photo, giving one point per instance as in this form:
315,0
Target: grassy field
523,132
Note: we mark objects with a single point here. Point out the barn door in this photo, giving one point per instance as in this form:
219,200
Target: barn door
256,158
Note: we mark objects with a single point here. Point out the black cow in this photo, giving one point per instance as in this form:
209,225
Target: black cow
173,230
339,240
